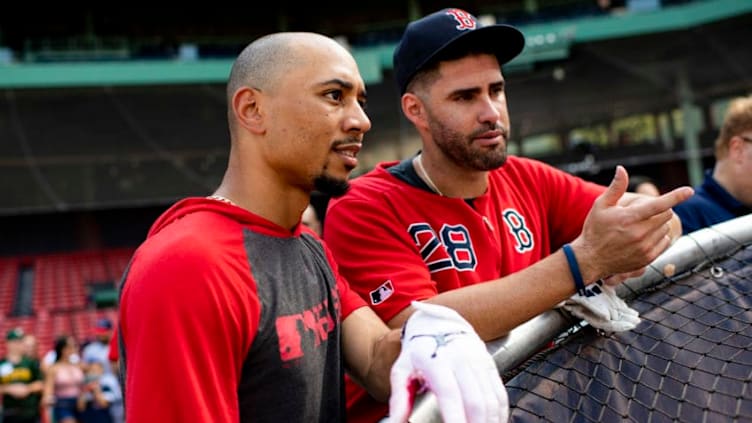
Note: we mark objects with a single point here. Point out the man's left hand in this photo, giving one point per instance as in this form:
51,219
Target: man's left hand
442,353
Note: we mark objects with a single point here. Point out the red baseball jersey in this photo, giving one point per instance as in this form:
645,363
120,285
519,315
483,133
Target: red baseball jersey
396,241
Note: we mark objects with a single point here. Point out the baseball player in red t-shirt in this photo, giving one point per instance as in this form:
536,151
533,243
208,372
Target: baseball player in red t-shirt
499,239
233,311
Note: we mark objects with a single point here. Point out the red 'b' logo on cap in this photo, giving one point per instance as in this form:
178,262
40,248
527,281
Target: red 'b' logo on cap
464,19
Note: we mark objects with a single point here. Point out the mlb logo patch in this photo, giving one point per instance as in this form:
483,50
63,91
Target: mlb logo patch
380,294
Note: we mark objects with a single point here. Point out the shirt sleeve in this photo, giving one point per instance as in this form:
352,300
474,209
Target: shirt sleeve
569,200
386,264
188,320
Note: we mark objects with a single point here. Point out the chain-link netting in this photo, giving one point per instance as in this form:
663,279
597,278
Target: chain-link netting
689,360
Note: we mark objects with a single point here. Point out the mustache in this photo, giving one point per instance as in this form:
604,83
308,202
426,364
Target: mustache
351,139
491,127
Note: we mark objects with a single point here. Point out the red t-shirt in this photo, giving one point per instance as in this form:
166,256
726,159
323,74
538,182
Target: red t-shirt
395,242
227,317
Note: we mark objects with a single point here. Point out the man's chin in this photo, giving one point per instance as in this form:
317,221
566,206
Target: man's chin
491,162
333,187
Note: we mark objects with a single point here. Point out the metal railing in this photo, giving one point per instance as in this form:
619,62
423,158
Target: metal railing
698,250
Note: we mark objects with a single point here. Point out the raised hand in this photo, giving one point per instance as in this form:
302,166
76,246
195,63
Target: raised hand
623,234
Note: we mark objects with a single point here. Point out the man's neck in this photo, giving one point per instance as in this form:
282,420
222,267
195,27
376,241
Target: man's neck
449,180
724,175
14,357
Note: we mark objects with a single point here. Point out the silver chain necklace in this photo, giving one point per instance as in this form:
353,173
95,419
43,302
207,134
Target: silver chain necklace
221,199
419,162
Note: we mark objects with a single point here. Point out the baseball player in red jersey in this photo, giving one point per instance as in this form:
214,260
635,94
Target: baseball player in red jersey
499,239
232,311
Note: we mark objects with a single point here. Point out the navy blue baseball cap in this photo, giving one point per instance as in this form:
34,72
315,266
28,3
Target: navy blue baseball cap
451,30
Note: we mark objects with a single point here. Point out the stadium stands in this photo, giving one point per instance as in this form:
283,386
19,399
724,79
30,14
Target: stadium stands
61,297
8,277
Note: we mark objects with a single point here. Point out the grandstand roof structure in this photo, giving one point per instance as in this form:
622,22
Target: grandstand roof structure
69,144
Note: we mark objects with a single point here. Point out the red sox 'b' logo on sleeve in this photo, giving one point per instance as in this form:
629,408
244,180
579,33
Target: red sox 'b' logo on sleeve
464,19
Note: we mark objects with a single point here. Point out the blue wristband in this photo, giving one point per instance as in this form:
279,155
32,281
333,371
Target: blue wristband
574,268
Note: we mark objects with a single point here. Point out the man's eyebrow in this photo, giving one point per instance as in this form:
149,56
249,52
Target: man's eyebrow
340,82
475,90
345,84
465,91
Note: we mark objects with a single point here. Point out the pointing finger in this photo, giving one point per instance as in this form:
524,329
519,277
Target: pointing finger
656,205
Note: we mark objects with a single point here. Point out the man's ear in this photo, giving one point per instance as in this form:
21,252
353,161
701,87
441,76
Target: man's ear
247,107
415,112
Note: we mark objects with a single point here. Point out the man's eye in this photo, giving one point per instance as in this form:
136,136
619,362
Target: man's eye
335,95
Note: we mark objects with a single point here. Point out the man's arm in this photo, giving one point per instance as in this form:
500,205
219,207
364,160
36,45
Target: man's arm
617,238
36,386
370,348
498,306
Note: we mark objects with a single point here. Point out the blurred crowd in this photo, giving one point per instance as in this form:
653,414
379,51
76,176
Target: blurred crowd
69,383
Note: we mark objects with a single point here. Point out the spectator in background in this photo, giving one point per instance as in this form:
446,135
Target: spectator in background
50,357
643,185
726,192
464,225
311,219
20,382
99,392
113,356
63,382
233,311
98,351
31,350
31,347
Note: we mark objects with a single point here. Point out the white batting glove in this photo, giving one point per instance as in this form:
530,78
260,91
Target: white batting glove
603,309
442,353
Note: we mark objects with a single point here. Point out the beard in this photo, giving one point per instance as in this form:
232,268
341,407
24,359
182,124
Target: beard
330,186
459,147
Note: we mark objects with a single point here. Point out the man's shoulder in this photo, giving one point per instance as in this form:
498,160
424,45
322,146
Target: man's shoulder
93,347
524,169
525,164
378,182
30,362
698,211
